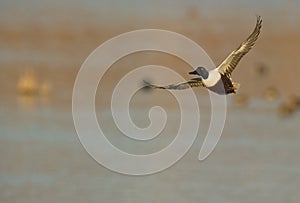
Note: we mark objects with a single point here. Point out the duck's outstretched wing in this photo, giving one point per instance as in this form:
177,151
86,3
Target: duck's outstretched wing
196,82
229,64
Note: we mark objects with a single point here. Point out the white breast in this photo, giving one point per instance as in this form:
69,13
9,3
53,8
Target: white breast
213,77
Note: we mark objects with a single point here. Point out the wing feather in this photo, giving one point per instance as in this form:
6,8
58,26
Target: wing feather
229,64
179,86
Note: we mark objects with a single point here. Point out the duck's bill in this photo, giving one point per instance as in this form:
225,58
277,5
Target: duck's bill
194,72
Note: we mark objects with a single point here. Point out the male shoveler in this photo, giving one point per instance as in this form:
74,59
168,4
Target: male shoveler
219,79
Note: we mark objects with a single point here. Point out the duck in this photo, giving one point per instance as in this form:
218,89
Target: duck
27,84
271,93
218,80
289,107
294,102
260,70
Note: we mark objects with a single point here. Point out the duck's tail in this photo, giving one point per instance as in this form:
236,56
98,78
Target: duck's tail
236,86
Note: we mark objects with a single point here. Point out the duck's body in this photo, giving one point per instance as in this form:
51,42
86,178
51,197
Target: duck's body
216,81
224,86
219,79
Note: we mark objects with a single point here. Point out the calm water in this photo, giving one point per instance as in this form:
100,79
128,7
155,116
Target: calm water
256,160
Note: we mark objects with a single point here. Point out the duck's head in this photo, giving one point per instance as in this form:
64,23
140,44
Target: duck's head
200,71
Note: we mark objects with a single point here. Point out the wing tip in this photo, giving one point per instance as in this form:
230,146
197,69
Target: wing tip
149,85
258,21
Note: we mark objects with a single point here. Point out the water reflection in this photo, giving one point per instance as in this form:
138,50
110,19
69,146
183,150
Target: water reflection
29,101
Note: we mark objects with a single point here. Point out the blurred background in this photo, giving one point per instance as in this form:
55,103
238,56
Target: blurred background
43,45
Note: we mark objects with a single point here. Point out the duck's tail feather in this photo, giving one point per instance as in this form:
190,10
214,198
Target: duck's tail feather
236,86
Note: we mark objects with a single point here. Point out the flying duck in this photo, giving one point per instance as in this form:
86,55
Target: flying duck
219,79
